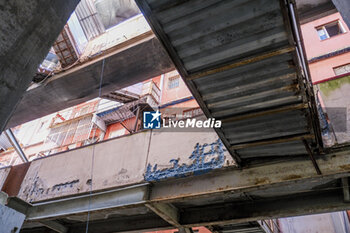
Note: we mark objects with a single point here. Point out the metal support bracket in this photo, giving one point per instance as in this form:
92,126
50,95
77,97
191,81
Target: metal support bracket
313,160
346,192
169,213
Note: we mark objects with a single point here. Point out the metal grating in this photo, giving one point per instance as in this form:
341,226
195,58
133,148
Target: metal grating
64,47
240,62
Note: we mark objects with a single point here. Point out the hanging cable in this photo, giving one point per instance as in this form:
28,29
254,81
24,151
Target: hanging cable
93,154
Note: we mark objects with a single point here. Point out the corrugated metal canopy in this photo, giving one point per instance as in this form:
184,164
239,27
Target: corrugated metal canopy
240,62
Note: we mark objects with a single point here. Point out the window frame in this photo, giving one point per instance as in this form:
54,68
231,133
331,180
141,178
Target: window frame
336,67
172,79
323,27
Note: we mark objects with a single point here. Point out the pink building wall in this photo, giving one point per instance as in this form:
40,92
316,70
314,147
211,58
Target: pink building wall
177,93
323,70
315,47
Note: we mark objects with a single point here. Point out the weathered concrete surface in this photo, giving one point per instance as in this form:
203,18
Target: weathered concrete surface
64,174
122,161
10,220
138,61
28,29
177,154
3,175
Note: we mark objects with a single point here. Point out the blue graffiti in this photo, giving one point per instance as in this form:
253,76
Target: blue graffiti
199,156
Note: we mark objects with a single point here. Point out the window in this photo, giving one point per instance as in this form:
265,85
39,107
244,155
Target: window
330,30
342,69
192,112
173,82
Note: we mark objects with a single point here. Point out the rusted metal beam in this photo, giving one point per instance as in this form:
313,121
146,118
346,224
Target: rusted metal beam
272,141
242,62
334,165
308,149
346,191
261,177
122,197
265,112
252,211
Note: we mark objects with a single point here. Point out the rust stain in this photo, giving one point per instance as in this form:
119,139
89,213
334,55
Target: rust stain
291,177
263,180
345,167
242,62
15,178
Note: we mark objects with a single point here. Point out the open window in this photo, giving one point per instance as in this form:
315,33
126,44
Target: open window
329,30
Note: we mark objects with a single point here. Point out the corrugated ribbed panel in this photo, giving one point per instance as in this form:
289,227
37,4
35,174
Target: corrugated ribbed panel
240,62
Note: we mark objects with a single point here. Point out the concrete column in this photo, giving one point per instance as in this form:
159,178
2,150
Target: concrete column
10,220
28,29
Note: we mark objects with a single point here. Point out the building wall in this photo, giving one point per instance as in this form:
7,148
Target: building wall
32,135
112,129
314,46
323,70
176,93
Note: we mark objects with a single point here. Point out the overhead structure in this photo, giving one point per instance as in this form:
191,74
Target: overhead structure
244,63
28,30
57,188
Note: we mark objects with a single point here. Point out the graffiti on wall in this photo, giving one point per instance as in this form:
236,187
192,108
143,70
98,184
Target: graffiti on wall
204,158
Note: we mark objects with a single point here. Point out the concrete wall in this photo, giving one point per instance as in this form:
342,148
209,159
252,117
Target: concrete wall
131,159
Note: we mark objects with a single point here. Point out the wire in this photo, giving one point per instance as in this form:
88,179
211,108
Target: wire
93,156
101,77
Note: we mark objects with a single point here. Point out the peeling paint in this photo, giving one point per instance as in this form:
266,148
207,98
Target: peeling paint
204,158
38,188
60,186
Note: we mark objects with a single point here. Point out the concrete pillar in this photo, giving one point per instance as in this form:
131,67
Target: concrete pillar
10,220
28,29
